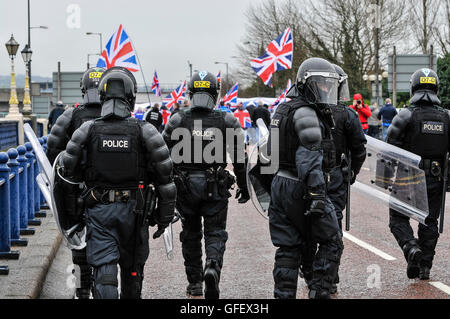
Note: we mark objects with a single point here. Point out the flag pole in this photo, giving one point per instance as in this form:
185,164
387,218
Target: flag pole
142,72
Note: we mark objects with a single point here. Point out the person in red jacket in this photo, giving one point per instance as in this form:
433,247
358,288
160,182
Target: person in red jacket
363,111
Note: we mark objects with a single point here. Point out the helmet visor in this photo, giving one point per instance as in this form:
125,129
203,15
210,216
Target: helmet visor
344,92
321,89
203,100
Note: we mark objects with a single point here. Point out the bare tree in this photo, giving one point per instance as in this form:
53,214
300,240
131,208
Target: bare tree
424,19
341,31
265,22
351,31
441,30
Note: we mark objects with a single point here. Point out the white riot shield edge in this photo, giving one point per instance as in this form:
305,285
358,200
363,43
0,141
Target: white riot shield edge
45,181
168,241
252,161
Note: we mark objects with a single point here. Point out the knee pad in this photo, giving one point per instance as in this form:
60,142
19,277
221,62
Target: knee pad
105,282
131,282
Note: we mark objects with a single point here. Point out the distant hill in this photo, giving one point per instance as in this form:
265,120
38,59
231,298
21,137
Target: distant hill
5,80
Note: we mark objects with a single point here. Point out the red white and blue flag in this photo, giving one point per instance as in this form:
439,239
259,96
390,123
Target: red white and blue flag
244,118
282,98
119,52
177,96
219,78
278,56
231,96
155,85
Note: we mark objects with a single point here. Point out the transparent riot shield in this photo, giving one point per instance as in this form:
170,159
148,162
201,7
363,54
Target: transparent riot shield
74,234
168,241
259,184
392,176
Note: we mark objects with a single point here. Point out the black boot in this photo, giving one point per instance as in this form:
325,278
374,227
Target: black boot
413,254
195,289
245,197
83,293
211,280
424,273
319,294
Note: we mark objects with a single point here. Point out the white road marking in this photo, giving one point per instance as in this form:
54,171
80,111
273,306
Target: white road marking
369,247
439,285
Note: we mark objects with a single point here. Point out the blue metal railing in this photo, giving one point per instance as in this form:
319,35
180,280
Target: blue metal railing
9,136
20,199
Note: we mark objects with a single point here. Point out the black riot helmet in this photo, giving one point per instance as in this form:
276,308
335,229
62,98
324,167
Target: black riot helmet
89,85
424,87
203,90
117,90
317,82
343,91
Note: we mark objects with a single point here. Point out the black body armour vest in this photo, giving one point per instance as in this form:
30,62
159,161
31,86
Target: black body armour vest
212,129
116,155
340,115
83,114
428,132
289,142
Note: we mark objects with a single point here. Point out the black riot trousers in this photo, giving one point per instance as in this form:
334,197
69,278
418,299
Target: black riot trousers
111,240
194,205
337,193
291,231
427,235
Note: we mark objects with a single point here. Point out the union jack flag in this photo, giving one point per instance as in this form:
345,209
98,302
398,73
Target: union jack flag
282,98
231,96
219,78
278,57
119,52
244,118
155,85
177,95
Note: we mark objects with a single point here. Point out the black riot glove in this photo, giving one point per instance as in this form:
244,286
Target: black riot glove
159,232
317,206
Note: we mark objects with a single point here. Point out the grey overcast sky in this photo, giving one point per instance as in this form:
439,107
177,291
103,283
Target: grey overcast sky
165,33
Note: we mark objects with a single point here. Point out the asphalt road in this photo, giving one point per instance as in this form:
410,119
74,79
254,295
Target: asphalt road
373,266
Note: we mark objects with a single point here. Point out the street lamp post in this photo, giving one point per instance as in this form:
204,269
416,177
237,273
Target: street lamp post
14,115
29,40
101,42
226,64
26,55
89,55
12,46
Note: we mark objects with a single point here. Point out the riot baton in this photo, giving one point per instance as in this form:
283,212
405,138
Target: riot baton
444,192
348,163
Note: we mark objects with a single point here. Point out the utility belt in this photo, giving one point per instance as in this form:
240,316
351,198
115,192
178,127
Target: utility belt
214,176
112,196
432,167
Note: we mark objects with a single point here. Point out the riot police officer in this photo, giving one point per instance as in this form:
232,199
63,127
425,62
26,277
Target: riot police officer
423,129
203,183
349,141
117,157
60,135
300,211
